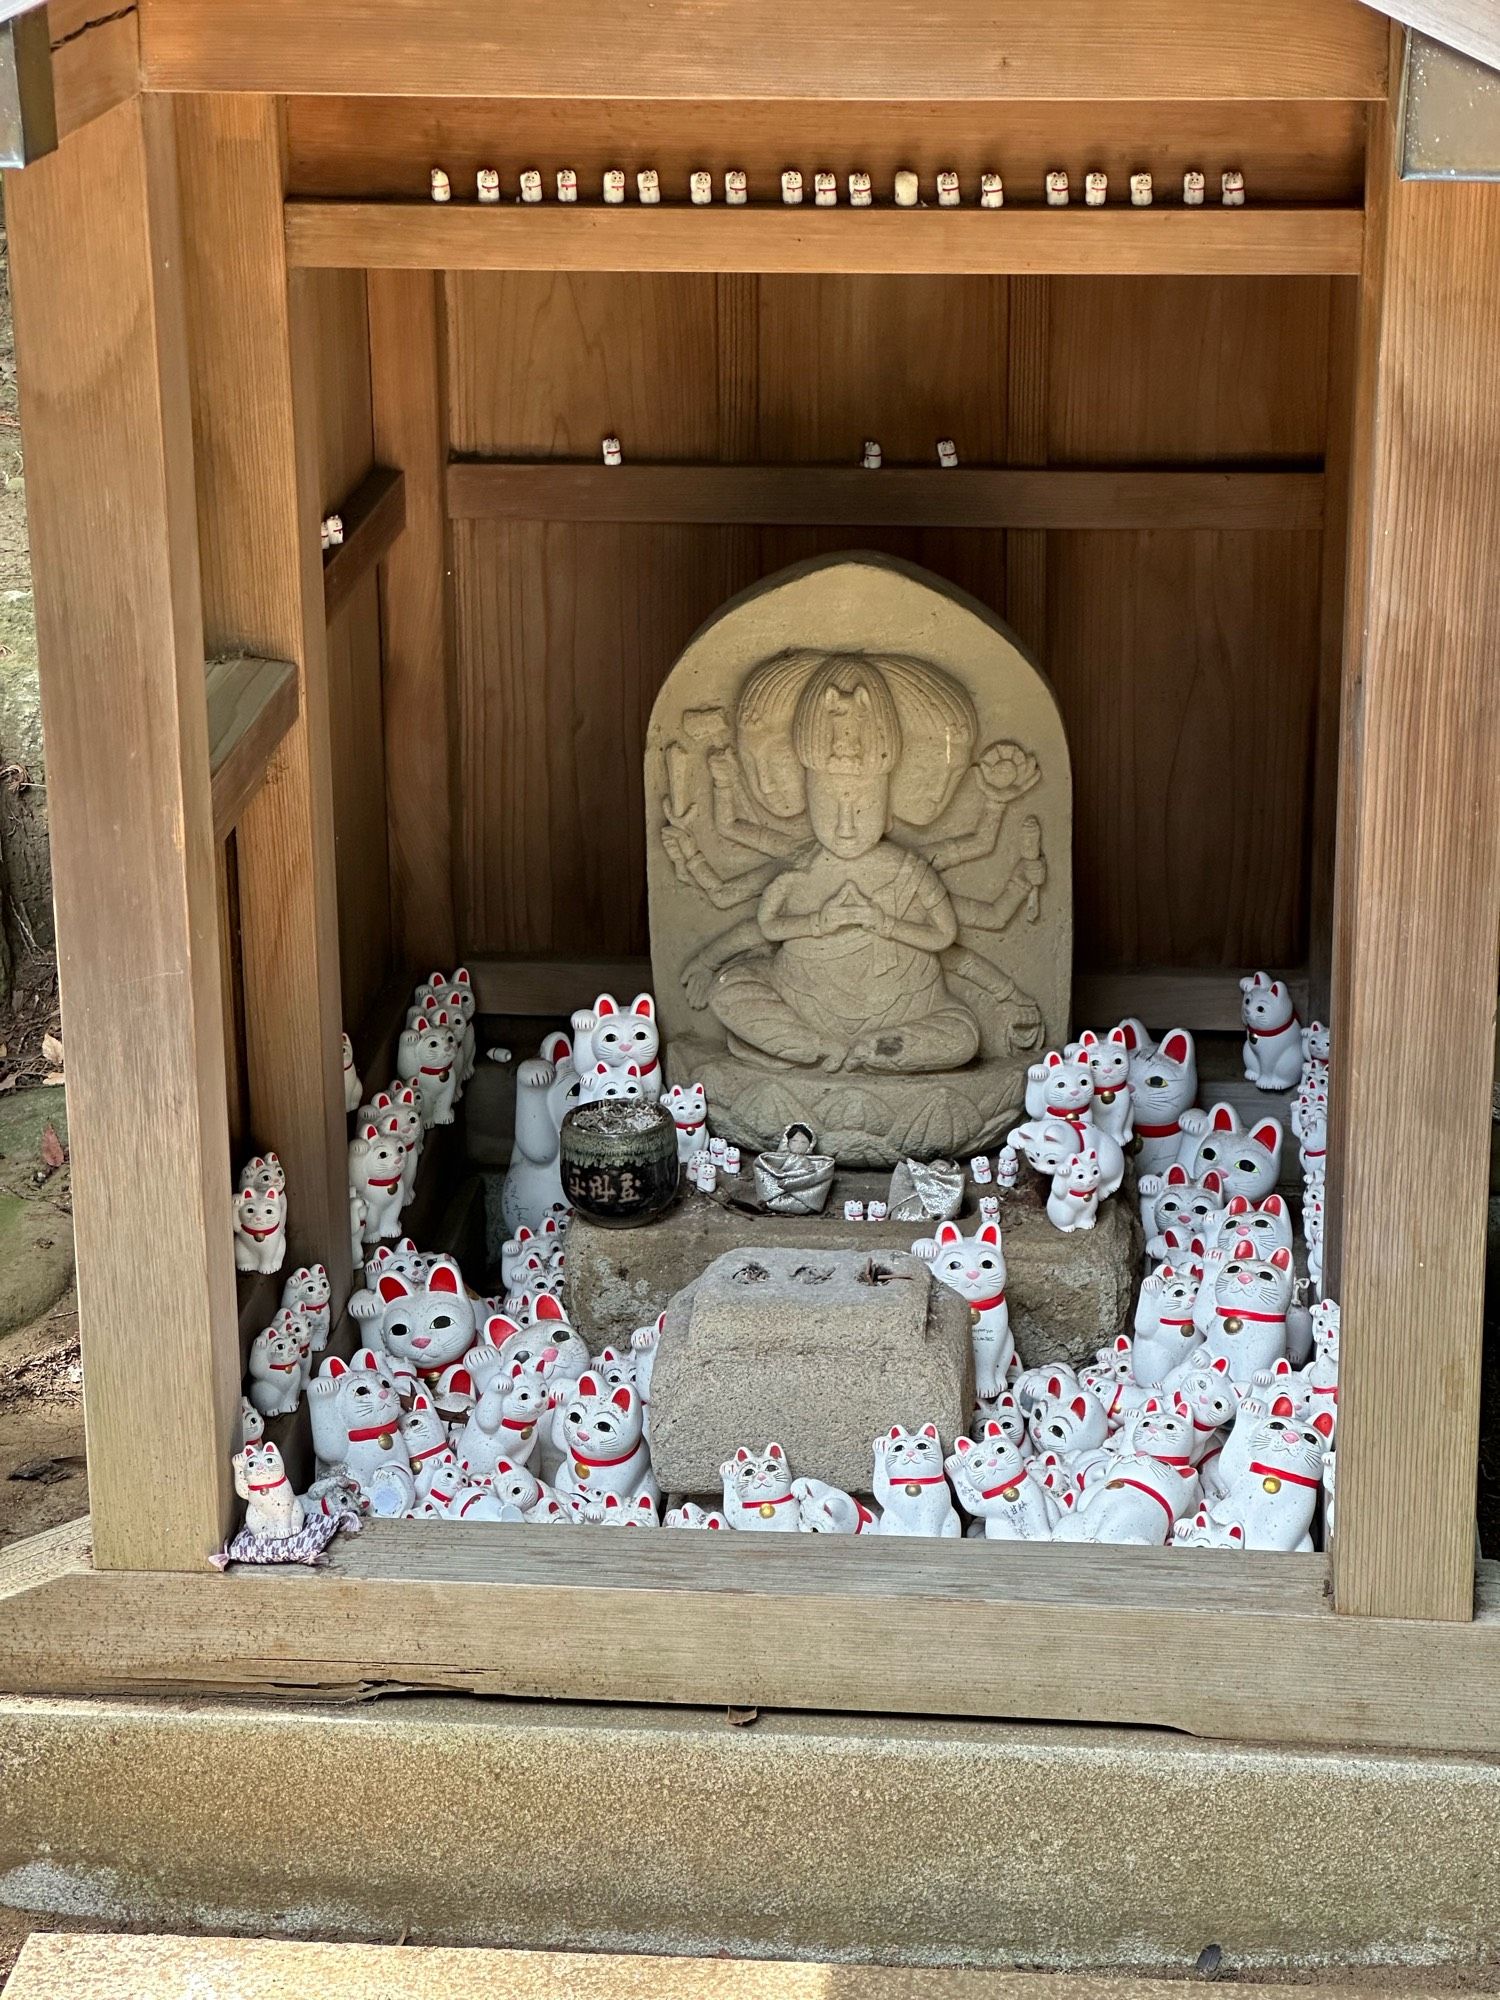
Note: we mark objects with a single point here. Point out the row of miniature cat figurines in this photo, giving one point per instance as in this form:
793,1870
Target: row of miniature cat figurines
906,188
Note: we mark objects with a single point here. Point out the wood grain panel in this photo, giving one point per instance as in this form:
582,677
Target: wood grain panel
1186,667
96,248
1178,369
1418,900
373,515
1290,151
957,49
932,242
564,636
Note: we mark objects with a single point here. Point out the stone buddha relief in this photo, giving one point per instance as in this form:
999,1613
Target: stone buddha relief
859,863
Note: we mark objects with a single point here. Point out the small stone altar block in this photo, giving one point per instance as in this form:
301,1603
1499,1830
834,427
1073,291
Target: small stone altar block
821,1350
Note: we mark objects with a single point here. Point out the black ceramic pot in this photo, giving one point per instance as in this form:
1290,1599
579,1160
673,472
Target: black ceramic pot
619,1161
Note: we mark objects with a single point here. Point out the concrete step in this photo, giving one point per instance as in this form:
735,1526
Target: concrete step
60,1967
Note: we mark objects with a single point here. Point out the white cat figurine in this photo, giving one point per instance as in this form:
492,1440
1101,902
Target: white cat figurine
427,1327
1074,1200
376,1170
1108,1058
620,1036
505,1420
272,1509
606,1445
356,1427
1242,1310
605,1081
688,1104
310,1291
427,1056
547,1087
252,1423
398,1111
1068,1420
1049,1142
974,1267
1139,1502
1274,1496
1273,1036
993,1485
275,1368
428,1449
260,1229
910,1485
352,1086
1247,1163
828,1510
758,1491
1163,1084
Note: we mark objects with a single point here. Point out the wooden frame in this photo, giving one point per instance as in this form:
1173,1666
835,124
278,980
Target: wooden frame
1388,1633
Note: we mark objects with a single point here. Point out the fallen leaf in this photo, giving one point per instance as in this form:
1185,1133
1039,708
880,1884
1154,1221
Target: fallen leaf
52,1049
54,1152
8,1082
741,1718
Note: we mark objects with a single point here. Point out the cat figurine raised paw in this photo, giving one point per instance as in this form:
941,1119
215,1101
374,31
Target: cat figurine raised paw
356,1427
992,1483
427,1056
272,1509
275,1367
758,1491
604,1432
1074,1200
911,1487
1273,1034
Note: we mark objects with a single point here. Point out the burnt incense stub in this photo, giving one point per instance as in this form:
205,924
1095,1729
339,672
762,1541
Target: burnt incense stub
860,818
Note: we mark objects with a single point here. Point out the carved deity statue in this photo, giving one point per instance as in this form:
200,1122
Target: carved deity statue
844,810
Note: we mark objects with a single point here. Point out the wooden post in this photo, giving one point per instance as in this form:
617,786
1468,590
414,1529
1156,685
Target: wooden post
252,336
96,251
1418,897
407,367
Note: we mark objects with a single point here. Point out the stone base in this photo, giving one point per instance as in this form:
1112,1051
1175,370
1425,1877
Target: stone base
862,1118
1067,1294
820,1352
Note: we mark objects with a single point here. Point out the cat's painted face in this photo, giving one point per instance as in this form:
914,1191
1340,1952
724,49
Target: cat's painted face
1265,1003
1292,1447
606,1082
381,1156
614,1367
1068,1422
257,1215
1108,1060
430,1325
688,1103
515,1486
625,1035
1268,1227
1317,1041
1070,1082
1003,1415
1083,1173
911,1454
601,1422
994,1460
973,1266
1247,1163
1208,1397
277,1349
1164,1434
260,1464
422,1427
264,1173
758,1476
1252,1284
364,1397
309,1286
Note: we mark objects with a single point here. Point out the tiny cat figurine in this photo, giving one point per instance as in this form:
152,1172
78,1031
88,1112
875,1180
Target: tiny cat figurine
264,1173
620,1036
275,1368
310,1291
272,1509
1163,1083
1138,1502
529,1250
427,1327
1202,1533
974,1267
456,994
431,1455
517,1486
376,1170
1314,1139
1273,1037
605,1081
352,1085
260,1229
691,1515
910,1485
688,1104
992,1484
1275,1494
1004,1412
828,1510
758,1491
252,1423
608,1510
1074,1200
1108,1058
613,1367
1067,1420
356,1427
1317,1043
505,1420
1175,1200
404,1259
1212,1406
1247,1163
606,1446
1060,1086
1049,1142
426,1055
1242,1310
398,1112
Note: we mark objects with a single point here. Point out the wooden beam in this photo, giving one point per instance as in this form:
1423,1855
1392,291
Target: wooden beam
845,496
95,249
96,58
408,359
1210,242
252,703
373,516
773,1621
953,49
1418,899
1472,26
259,509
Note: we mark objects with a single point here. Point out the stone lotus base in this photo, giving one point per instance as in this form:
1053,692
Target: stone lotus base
863,1119
820,1350
1067,1294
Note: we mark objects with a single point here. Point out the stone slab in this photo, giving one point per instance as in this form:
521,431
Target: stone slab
56,1966
1108,1847
821,1351
1067,1294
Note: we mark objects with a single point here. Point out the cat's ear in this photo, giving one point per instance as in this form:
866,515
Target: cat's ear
775,1451
623,1398
333,1368
1275,989
963,1446
1177,1175
742,1457
929,1430
1181,1407
605,1004
1282,1258
1268,1134
949,1232
1092,1156
1119,1038
1088,1039
1122,1344
644,1005
391,1287
549,1307
445,1278
1236,1532
1220,1366
1054,1385
989,1233
1282,1407
1222,1119
645,1506
1238,1205
1273,1205
896,1431
1322,1423
1054,1060
1243,1249
420,1403
588,1385
556,1048
461,1383
1177,1046
370,1133
1213,1181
